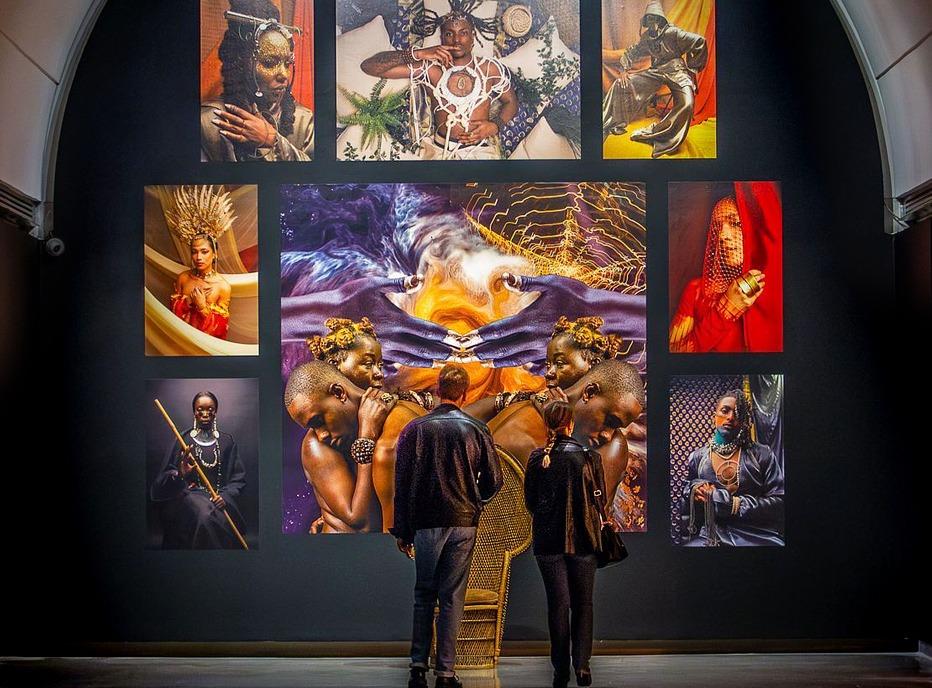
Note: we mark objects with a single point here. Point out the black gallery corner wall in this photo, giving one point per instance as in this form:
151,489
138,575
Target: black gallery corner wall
792,107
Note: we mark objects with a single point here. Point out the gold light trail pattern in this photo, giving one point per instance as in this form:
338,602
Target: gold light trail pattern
591,231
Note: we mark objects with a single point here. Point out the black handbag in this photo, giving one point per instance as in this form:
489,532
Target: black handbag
613,548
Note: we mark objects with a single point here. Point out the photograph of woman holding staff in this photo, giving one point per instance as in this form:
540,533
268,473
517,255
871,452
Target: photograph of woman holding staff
202,482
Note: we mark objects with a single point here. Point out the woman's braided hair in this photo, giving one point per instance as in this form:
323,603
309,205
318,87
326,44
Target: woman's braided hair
587,335
342,337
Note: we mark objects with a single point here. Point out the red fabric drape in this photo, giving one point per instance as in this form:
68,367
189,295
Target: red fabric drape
761,212
250,258
215,323
303,87
213,25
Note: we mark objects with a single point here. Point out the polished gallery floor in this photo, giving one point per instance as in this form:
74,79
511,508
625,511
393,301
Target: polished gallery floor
656,671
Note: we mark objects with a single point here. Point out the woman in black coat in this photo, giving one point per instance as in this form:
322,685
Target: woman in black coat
564,489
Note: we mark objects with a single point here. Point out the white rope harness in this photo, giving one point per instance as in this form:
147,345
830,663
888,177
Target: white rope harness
458,108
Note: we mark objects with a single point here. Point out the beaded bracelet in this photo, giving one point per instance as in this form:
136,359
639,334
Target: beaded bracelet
407,55
362,450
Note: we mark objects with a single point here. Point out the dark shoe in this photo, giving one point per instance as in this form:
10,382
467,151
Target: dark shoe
448,682
418,678
618,130
583,677
561,679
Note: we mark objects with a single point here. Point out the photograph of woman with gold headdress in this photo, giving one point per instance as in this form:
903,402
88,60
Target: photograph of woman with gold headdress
257,80
736,302
201,276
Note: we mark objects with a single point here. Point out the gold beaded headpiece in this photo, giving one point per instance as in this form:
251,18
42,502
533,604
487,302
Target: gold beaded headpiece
343,333
587,335
197,211
262,25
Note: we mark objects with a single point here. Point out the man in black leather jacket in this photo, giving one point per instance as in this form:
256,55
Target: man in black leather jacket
446,469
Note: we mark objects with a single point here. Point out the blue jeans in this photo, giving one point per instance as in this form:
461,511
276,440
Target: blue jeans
442,557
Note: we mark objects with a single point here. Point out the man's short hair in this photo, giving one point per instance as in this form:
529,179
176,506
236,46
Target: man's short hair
453,381
312,379
616,377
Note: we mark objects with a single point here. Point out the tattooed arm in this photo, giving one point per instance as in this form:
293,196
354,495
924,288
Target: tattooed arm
391,64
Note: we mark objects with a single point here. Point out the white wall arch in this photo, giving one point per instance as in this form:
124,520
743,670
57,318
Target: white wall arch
893,44
41,42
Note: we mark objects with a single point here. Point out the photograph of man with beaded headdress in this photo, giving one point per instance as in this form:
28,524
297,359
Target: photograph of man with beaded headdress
726,460
257,80
202,463
201,270
726,267
537,289
457,79
658,79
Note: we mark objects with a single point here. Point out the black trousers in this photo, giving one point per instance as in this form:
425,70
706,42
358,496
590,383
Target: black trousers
569,580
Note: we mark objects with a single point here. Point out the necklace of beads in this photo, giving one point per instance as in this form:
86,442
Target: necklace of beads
199,452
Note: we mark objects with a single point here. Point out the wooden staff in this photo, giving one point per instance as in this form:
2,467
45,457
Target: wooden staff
200,473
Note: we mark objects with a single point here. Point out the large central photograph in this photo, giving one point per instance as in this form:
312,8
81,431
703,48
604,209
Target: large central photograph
537,289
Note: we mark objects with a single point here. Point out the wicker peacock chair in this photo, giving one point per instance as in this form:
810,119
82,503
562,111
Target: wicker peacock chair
504,532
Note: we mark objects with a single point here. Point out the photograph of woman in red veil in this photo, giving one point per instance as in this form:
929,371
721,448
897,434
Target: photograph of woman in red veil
730,299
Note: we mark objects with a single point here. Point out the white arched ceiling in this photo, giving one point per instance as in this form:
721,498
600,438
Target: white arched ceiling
41,43
40,46
893,43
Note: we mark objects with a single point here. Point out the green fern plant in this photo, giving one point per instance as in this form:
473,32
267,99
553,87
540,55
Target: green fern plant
376,115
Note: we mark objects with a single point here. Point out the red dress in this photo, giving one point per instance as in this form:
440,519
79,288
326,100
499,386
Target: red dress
702,322
698,324
214,322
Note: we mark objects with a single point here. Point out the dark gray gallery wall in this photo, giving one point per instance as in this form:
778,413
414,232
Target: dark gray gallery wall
913,272
792,106
19,304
